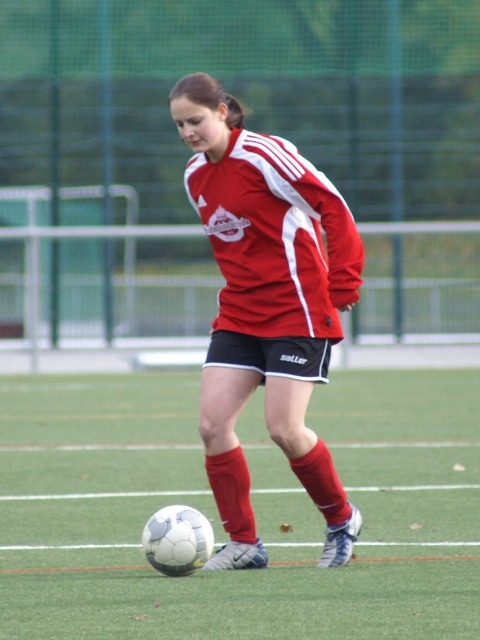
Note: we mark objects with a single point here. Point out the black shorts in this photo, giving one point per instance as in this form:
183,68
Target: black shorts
285,357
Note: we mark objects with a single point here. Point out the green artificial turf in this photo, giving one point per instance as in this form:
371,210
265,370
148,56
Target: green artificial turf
85,460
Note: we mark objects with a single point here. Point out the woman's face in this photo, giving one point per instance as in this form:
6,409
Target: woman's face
202,129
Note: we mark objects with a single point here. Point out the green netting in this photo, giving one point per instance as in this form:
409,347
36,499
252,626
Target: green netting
167,38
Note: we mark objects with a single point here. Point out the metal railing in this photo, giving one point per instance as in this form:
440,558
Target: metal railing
32,236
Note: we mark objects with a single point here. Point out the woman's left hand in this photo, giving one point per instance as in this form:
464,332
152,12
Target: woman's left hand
346,307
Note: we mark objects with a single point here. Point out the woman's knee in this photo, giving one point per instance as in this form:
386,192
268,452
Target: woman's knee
207,427
294,440
280,434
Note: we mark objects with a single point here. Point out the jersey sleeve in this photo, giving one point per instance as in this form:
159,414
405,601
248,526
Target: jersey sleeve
293,178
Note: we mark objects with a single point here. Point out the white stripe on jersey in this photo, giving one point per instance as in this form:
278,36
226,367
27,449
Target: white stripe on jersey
293,221
194,163
278,155
277,184
293,158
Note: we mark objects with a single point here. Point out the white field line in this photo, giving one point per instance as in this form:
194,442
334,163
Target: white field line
207,492
196,447
76,547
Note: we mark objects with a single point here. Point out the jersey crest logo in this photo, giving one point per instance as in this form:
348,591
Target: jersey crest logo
201,201
226,226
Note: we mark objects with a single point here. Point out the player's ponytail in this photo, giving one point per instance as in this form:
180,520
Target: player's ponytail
236,112
207,91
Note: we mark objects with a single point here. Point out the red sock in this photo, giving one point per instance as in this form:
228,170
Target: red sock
229,479
316,472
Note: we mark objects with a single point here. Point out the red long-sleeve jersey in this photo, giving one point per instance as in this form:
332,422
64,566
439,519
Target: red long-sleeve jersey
263,207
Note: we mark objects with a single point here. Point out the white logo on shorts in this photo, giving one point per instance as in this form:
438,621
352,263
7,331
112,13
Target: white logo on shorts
294,359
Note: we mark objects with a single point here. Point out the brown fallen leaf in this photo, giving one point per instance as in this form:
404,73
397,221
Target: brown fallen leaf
157,603
285,527
143,616
458,467
415,525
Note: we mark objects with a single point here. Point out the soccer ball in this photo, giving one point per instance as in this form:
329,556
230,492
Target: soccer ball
177,540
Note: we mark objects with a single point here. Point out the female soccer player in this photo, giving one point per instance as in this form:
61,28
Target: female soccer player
262,206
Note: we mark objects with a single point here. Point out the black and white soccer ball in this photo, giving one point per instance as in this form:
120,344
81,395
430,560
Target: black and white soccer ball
178,540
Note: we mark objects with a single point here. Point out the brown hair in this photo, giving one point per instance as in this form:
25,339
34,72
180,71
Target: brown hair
205,90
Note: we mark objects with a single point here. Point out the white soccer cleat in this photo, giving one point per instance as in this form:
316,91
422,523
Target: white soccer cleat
339,542
238,555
